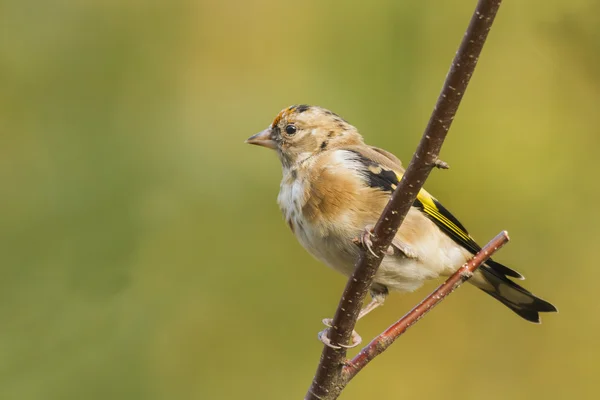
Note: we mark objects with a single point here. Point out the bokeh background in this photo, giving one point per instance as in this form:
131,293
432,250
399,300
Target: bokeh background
142,253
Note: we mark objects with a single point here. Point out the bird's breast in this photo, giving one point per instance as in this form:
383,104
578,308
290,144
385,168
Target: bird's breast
320,215
291,199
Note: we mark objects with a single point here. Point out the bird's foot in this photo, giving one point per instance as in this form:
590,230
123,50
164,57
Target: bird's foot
324,337
365,239
367,243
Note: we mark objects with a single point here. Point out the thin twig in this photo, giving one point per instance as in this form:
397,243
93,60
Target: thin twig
328,381
385,339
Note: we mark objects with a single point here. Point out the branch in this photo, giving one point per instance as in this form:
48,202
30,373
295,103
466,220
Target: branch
384,340
328,381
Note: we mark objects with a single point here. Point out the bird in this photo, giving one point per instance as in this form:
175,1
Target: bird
333,190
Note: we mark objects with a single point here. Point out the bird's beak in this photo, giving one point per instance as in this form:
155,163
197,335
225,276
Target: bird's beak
263,139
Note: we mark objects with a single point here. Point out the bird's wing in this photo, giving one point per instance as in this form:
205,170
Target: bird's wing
383,171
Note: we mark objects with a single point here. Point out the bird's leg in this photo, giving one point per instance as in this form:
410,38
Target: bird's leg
378,295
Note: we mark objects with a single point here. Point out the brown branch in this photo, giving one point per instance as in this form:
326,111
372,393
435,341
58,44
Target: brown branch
385,339
328,381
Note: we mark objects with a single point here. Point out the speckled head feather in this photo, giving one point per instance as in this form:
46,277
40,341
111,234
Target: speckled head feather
301,131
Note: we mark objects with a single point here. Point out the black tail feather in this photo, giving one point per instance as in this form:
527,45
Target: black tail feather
518,299
503,269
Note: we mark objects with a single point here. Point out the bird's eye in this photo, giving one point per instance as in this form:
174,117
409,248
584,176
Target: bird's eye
290,129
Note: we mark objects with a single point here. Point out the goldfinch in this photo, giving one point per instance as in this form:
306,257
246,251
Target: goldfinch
334,185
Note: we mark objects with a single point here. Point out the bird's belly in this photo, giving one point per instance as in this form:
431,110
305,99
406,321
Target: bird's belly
404,274
437,255
337,252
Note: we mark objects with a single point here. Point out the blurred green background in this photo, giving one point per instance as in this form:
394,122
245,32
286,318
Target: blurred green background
143,255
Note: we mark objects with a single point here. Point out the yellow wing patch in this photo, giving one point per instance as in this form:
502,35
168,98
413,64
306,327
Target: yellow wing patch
444,219
430,206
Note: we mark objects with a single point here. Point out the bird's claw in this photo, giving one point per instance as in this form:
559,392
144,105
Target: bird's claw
356,340
365,239
324,338
367,243
326,341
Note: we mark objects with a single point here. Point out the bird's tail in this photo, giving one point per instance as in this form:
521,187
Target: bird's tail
490,279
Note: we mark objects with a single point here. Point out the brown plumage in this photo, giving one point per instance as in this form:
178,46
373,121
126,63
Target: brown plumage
334,185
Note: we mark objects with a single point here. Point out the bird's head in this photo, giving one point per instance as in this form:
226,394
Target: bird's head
299,132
